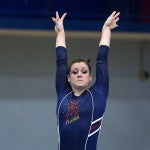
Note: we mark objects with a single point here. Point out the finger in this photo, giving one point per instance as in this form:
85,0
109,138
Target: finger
117,15
54,19
117,19
63,16
57,15
113,14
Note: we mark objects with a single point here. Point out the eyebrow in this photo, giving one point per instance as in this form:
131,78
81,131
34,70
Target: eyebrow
81,68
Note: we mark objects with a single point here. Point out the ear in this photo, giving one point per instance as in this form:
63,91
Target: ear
91,77
68,77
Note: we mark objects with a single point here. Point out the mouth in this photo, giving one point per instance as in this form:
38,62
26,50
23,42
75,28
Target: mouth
79,80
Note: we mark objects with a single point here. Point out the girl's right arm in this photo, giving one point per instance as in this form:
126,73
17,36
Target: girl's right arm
61,54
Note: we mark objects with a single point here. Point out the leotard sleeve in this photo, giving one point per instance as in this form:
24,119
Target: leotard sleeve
61,70
102,76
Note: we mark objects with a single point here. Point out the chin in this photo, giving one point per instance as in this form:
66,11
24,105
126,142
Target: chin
81,86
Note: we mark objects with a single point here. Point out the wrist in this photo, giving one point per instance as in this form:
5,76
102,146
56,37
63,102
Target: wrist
61,32
106,28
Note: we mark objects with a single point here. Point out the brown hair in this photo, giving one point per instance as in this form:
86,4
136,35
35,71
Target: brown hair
87,62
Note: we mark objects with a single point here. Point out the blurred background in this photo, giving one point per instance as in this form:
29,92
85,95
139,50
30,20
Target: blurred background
27,70
82,15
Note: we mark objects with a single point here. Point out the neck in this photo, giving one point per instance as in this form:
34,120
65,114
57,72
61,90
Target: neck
78,92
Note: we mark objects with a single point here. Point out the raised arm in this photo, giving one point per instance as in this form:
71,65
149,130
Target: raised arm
109,24
59,29
102,76
61,55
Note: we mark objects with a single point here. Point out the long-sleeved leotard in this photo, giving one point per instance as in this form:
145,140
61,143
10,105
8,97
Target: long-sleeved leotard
79,118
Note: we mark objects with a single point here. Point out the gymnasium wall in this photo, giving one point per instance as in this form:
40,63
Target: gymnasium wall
28,98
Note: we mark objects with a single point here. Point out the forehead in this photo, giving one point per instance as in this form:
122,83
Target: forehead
79,65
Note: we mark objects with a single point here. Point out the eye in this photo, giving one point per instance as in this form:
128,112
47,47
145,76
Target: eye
84,71
74,72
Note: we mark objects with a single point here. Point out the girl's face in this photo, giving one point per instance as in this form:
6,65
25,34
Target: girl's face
79,76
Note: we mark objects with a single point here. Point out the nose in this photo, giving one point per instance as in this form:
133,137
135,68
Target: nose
79,74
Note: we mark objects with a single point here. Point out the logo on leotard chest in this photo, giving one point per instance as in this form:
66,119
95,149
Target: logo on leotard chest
72,114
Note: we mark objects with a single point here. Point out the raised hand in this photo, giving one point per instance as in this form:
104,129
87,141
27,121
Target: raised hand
112,20
59,22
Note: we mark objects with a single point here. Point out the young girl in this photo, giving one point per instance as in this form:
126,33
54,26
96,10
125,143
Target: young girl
80,109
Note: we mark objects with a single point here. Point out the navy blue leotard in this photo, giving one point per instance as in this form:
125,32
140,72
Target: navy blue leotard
79,118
